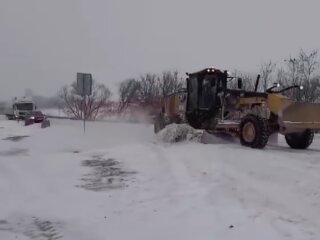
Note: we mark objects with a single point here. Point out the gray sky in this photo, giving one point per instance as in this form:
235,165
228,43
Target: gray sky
43,43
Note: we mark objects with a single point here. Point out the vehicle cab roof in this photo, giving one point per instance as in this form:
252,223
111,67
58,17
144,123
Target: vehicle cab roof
206,71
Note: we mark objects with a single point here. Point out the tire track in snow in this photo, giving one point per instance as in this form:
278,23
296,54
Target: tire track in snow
231,186
266,194
34,228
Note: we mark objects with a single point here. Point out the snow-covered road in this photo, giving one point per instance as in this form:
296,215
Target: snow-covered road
119,182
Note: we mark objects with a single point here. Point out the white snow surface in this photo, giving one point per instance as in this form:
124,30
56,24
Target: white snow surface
185,190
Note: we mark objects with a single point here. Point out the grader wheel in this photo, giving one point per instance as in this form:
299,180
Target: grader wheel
254,131
300,140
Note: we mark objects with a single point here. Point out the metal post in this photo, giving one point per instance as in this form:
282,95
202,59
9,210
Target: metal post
84,85
84,113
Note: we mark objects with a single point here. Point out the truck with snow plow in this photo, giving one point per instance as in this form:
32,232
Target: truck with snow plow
20,108
208,103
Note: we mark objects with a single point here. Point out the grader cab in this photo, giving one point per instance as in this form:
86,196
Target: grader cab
208,103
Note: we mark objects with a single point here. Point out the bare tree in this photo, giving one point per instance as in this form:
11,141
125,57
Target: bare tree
128,93
302,71
247,79
266,70
281,77
290,76
293,74
308,64
90,107
169,82
149,89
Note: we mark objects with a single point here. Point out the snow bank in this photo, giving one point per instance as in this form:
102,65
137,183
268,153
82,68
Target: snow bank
178,133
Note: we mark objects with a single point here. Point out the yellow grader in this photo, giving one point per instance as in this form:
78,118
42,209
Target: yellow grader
208,103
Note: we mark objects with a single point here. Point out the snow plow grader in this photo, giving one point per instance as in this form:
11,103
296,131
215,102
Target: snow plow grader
208,103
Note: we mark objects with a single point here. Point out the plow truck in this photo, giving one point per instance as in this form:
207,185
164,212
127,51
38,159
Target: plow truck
210,104
20,108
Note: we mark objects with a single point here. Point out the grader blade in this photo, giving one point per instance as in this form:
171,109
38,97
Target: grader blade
300,115
216,138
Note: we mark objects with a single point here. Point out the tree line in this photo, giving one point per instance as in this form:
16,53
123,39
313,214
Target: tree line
146,91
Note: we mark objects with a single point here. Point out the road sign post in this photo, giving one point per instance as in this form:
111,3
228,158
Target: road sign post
84,88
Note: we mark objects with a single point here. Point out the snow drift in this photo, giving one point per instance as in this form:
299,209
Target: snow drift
179,133
182,132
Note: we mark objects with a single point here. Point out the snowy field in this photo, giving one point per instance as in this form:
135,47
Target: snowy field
119,182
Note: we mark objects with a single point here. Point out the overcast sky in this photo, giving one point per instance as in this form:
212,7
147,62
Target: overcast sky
43,43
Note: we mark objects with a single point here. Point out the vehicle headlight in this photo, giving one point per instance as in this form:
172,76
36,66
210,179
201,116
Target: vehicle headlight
32,117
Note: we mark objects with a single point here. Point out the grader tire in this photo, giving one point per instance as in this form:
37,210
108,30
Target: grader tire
300,140
254,131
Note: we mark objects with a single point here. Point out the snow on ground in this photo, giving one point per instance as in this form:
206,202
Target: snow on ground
118,181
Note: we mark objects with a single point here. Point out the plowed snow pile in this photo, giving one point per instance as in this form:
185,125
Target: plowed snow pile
179,133
183,132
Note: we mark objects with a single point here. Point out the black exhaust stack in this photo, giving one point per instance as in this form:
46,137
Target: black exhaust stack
257,83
